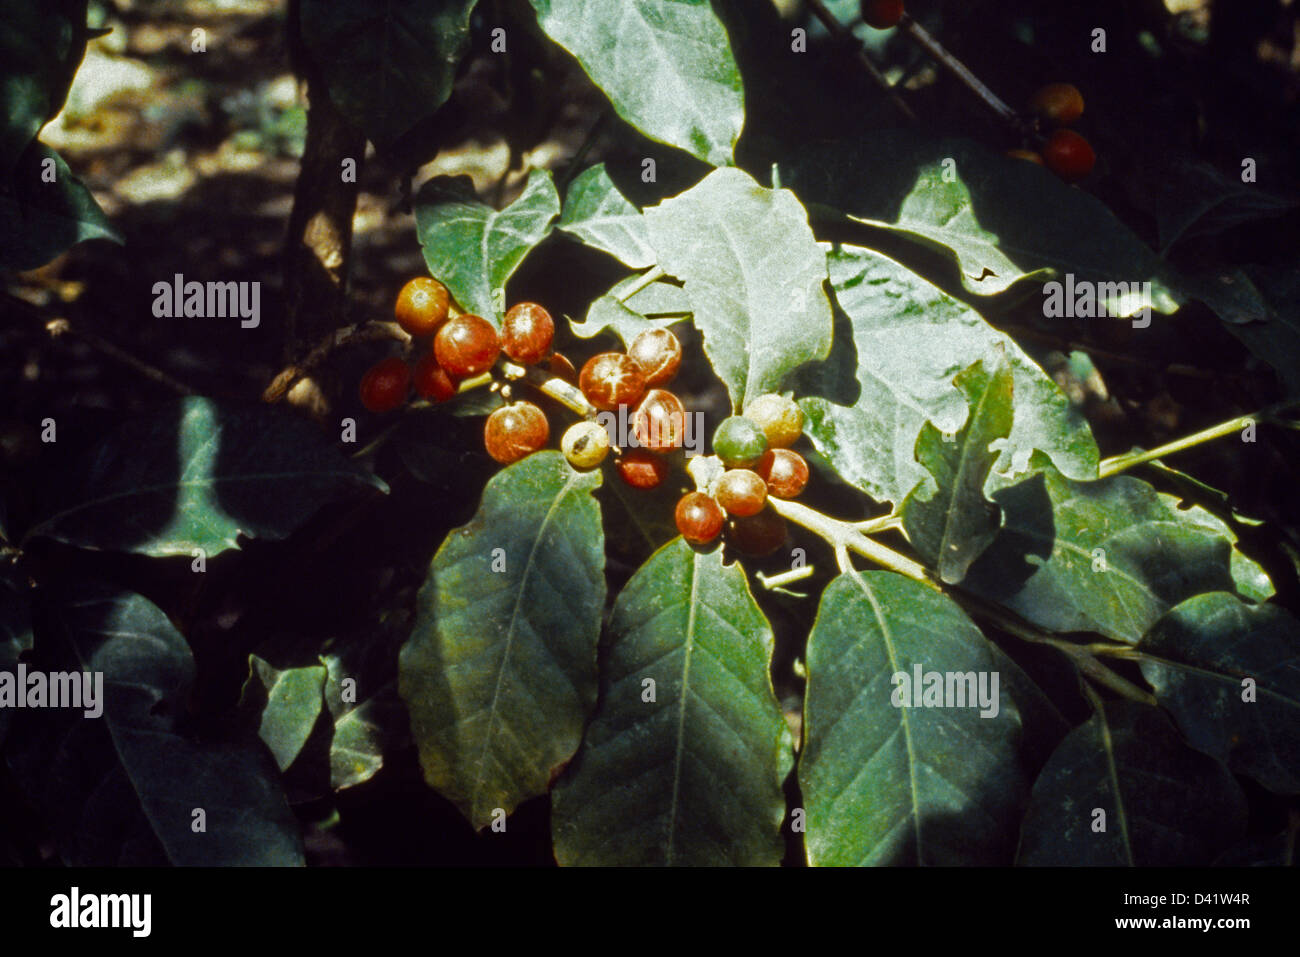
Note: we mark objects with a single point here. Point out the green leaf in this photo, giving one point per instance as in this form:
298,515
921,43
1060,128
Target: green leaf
289,702
1109,556
40,219
753,274
195,474
629,317
666,66
1199,657
471,247
361,727
123,788
499,673
1130,763
887,783
15,629
388,65
684,761
951,524
897,347
598,214
41,44
1193,198
999,219
1277,341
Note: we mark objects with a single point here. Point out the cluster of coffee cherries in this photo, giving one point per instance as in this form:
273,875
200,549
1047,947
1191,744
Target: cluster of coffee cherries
1064,152
754,450
461,347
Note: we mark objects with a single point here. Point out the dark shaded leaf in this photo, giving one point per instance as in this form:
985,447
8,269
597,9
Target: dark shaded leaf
694,775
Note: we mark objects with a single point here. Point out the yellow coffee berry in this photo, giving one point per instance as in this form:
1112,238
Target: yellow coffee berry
780,419
585,444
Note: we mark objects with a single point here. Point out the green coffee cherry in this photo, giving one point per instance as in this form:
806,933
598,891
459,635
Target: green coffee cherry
739,442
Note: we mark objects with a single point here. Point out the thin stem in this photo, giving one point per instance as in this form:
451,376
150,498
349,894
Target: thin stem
370,332
958,69
649,276
57,326
843,535
785,578
1119,463
565,393
583,150
843,35
882,523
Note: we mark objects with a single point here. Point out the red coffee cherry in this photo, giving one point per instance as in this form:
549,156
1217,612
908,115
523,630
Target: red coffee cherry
660,421
882,14
757,535
785,472
422,306
1068,155
527,333
699,518
466,346
611,379
658,353
562,368
431,380
741,492
641,469
383,387
515,430
1059,103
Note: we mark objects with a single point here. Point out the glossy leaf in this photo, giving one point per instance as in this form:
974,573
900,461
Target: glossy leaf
628,317
899,341
1109,556
39,218
684,761
499,673
666,66
123,788
887,783
196,474
599,215
1129,764
980,208
753,274
1229,673
949,525
471,247
289,702
389,65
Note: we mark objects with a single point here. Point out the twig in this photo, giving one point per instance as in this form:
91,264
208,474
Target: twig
349,335
843,35
1119,463
59,326
958,69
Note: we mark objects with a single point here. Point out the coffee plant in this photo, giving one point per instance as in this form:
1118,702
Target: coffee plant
728,488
